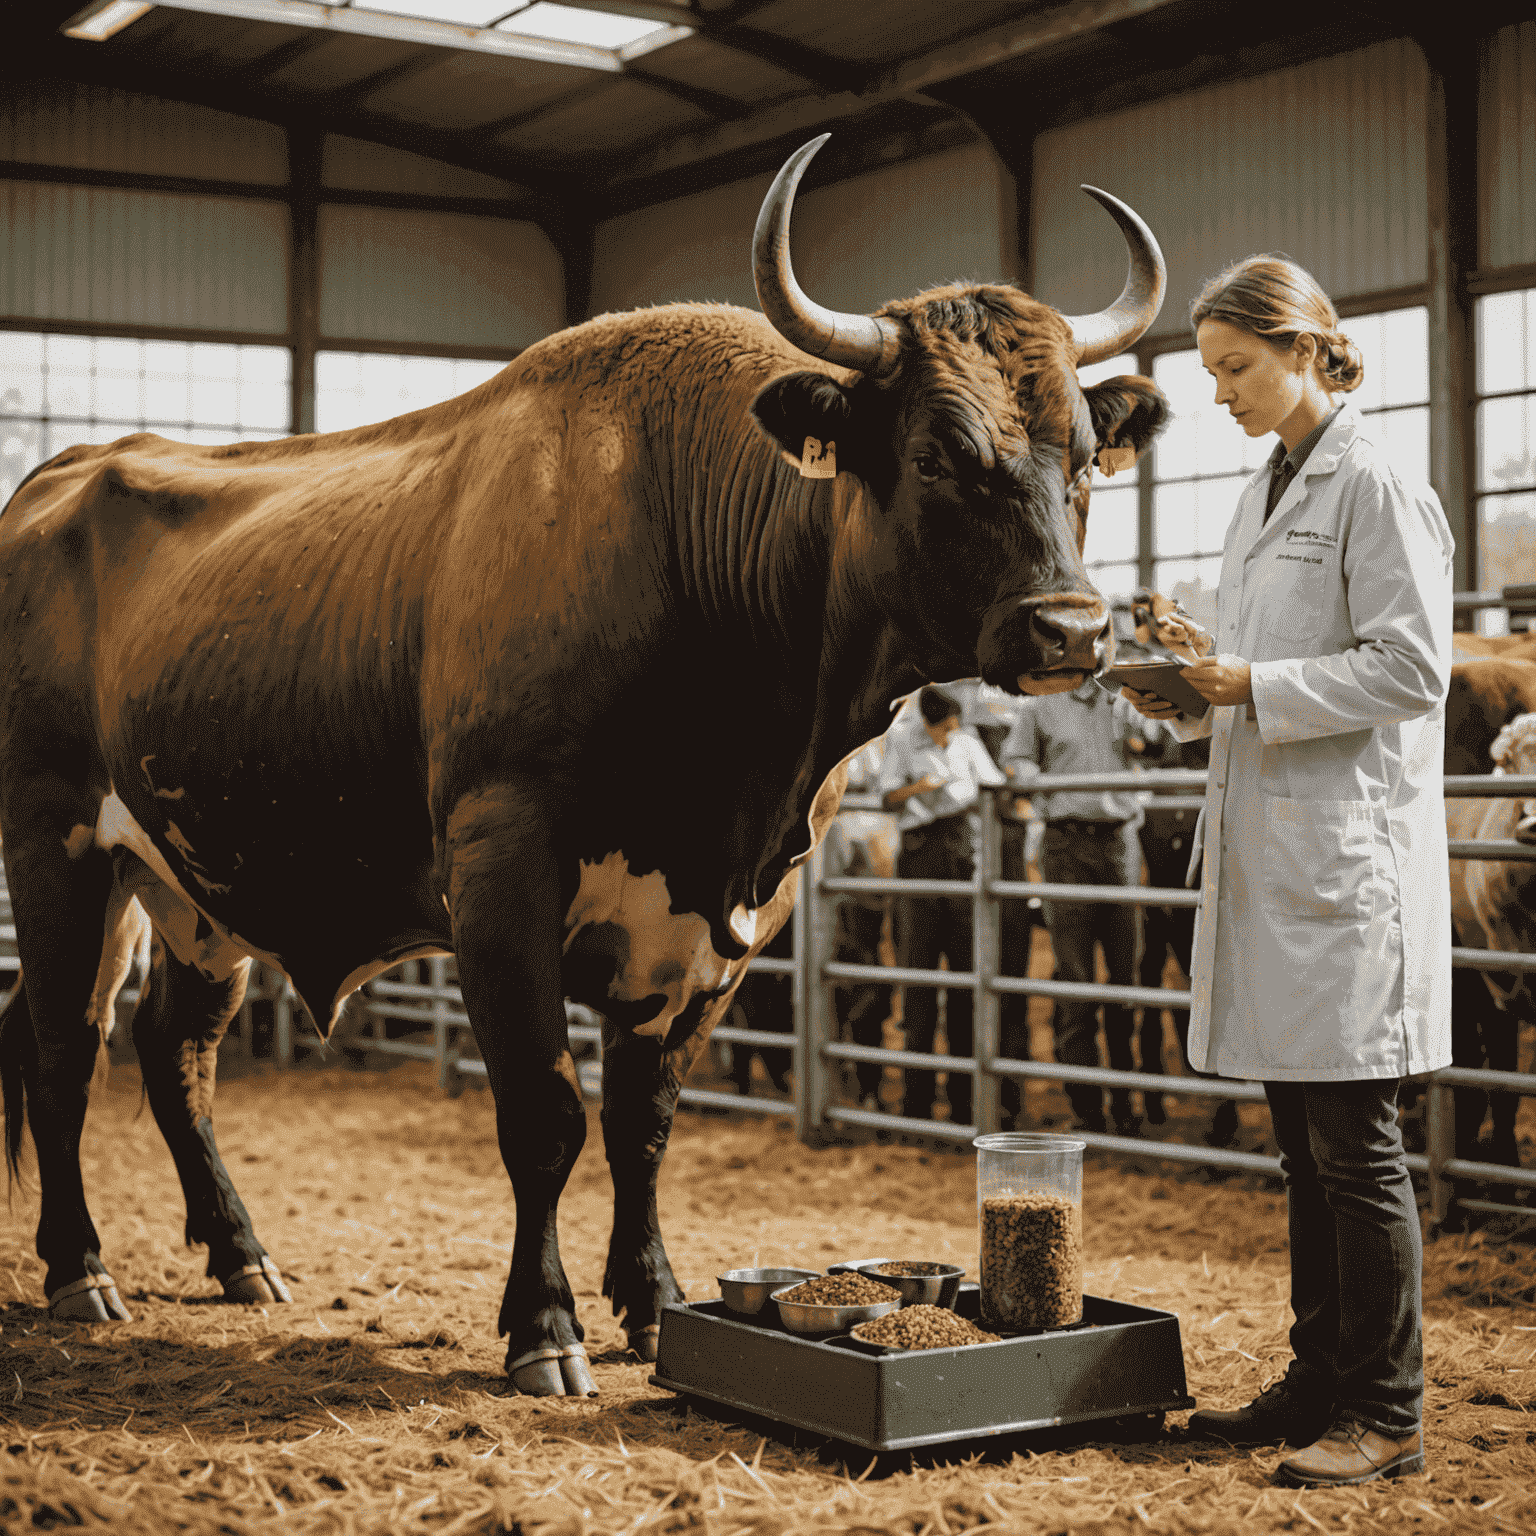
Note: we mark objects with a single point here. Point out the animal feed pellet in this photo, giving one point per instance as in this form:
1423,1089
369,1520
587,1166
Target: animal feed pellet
1031,1260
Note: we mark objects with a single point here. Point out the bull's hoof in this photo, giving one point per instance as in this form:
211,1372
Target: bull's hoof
553,1372
573,1368
91,1300
256,1284
644,1341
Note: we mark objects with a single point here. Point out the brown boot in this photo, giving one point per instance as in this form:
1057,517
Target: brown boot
1350,1453
1277,1413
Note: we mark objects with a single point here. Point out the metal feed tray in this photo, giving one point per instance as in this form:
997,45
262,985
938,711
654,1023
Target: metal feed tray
1121,1361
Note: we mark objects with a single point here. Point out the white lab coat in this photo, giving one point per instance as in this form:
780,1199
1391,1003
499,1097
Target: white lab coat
1322,945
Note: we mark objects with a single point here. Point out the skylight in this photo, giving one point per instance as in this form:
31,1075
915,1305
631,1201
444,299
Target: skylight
569,24
530,29
462,13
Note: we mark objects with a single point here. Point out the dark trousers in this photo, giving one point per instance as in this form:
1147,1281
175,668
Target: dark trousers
1356,1253
927,927
861,1007
1102,855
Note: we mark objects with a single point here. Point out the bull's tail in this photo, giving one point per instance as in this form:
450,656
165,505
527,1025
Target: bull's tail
18,1061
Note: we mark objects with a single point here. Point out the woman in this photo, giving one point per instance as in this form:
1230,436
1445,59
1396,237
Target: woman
1322,957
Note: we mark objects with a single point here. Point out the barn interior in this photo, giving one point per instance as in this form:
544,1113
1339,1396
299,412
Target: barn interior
227,220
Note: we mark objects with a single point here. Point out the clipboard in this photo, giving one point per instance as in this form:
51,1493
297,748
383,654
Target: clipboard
1159,677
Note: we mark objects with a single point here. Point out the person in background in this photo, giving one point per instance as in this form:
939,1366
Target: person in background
1322,963
931,776
1090,839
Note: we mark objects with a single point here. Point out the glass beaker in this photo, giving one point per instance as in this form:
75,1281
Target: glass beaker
1029,1206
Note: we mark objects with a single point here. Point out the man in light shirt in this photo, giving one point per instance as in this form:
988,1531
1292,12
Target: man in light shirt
1090,839
931,776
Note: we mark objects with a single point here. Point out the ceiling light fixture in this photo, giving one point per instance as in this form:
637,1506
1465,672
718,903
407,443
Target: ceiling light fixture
96,23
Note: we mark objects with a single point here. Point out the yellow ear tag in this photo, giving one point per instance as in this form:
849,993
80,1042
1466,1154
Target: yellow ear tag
818,461
1113,460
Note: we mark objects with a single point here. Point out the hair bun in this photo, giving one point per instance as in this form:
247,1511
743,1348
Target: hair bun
1343,367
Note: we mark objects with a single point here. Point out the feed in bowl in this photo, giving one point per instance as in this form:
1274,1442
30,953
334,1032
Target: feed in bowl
921,1327
746,1291
834,1303
922,1282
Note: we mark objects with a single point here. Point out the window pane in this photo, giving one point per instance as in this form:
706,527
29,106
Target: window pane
21,451
1506,549
1505,443
1191,582
1111,525
1110,368
68,387
1365,332
1402,364
21,374
1114,581
1506,342
1192,517
1202,439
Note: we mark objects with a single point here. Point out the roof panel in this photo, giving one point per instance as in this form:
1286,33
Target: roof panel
727,71
340,61
896,29
603,124
467,90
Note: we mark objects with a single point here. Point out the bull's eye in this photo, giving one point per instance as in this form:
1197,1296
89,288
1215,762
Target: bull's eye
929,467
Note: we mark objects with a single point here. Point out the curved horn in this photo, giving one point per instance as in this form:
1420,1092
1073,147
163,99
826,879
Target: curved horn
1114,329
851,341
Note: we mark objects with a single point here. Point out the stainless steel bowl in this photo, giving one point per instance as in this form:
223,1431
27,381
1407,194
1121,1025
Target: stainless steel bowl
803,1317
938,1289
747,1290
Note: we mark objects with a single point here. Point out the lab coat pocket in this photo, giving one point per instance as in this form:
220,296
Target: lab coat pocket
1294,609
1320,859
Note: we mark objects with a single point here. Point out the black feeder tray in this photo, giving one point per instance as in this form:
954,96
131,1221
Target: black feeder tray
1120,1362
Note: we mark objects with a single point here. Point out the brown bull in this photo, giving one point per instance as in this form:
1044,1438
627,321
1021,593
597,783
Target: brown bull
557,677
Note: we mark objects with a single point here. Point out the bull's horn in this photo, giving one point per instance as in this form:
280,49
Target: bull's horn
1120,326
851,341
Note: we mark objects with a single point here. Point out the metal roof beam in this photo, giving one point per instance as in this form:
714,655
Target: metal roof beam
999,45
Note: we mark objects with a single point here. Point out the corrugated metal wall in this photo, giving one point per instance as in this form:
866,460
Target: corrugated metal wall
364,167
93,127
880,236
92,254
1325,162
443,278
1507,221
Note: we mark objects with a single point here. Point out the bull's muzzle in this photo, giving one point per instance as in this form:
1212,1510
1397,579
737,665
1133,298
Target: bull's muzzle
1050,644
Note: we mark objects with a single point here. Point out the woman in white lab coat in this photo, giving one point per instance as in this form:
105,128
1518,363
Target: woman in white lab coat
1322,955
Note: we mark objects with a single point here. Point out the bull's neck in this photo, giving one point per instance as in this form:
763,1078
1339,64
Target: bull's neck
762,554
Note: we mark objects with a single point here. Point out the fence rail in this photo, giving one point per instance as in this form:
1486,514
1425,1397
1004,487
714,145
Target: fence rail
817,1053
432,1002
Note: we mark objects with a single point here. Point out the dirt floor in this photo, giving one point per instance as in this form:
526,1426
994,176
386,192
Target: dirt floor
376,1403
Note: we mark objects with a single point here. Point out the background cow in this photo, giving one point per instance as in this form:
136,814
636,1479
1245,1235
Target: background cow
337,701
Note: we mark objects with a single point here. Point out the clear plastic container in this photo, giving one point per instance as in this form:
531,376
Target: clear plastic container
1029,1207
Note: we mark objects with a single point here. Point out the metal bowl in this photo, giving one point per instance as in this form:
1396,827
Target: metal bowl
747,1290
938,1289
803,1317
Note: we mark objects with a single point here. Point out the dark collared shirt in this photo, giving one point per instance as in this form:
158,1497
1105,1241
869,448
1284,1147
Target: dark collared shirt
1284,467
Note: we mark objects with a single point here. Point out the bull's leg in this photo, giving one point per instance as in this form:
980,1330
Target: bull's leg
1501,1038
641,1081
52,1036
177,1027
504,896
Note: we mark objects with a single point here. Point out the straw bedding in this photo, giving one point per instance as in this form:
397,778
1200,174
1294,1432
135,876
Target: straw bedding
376,1403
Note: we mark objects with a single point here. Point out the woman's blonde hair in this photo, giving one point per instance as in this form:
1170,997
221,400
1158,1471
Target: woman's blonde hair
1273,297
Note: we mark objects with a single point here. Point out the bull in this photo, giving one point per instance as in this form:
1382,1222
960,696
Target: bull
557,677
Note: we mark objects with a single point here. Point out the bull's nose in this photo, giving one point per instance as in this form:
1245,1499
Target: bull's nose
1074,637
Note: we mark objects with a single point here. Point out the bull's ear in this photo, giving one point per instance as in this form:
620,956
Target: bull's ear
802,405
1127,412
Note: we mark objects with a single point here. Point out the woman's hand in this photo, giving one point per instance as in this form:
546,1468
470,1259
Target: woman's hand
1151,705
1221,679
